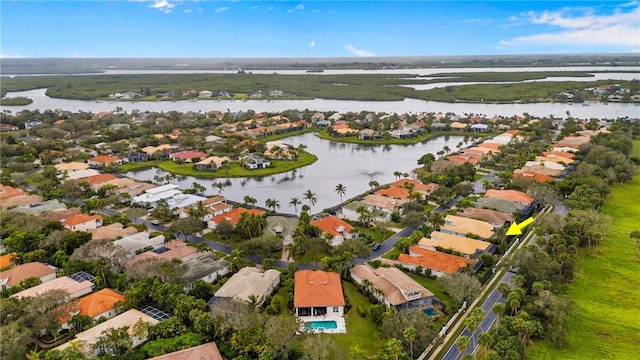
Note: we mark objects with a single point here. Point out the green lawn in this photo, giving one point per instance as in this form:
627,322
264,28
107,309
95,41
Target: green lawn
235,170
361,332
606,292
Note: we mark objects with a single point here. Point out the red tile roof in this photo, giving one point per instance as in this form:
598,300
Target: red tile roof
97,303
234,215
527,174
464,158
104,159
188,155
417,185
435,260
99,179
208,351
332,225
394,192
511,195
25,271
317,288
7,260
80,218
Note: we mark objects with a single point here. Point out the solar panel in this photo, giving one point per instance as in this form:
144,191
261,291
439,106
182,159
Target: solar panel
155,313
81,276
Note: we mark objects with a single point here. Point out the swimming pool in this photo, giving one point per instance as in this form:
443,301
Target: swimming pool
321,325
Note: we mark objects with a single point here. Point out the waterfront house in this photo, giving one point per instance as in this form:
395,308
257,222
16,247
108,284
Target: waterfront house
104,160
336,228
232,216
205,94
255,162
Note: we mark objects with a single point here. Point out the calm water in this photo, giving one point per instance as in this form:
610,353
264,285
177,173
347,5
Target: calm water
338,163
611,111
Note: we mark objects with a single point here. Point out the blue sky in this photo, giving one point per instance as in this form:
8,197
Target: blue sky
188,28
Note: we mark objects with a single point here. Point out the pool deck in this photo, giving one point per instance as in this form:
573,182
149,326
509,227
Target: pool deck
342,325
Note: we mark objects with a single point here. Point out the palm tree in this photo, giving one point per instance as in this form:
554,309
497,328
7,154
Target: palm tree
341,190
249,201
311,196
295,202
463,343
373,184
436,220
198,188
397,174
364,214
220,186
410,335
198,211
272,204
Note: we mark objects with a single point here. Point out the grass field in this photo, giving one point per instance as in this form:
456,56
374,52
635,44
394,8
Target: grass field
606,292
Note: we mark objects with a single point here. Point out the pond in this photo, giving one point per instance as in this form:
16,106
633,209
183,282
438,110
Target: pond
351,165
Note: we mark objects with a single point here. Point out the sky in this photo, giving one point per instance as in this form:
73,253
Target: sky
254,29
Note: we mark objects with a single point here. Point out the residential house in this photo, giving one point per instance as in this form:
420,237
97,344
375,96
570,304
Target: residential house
36,208
8,127
511,195
135,156
392,287
317,117
175,249
74,288
211,163
138,241
152,196
164,149
90,337
494,217
463,226
367,134
112,231
458,126
438,126
336,228
276,93
402,133
318,293
479,127
255,162
507,206
183,201
438,263
399,193
82,222
188,156
208,351
104,160
15,275
30,124
97,181
216,205
351,211
206,267
129,186
97,305
467,247
205,94
232,216
532,175
71,167
78,175
250,284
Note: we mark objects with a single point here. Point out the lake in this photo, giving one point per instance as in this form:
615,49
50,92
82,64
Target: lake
351,165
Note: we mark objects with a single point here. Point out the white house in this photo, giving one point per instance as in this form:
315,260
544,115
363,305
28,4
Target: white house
205,94
82,222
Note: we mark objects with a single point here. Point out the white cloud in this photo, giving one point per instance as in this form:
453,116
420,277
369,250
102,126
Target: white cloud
10,56
187,11
358,52
300,7
312,44
586,28
221,9
162,5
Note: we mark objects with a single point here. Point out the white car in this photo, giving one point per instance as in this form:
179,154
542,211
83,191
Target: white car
155,222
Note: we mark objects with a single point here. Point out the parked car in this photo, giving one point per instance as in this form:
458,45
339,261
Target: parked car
155,222
376,247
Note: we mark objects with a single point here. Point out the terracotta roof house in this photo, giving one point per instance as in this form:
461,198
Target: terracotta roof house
318,293
7,192
75,288
20,200
437,262
472,159
82,222
394,192
559,154
336,227
462,226
8,127
104,160
172,250
541,169
497,218
208,351
532,175
58,215
250,282
396,288
458,126
15,275
511,195
470,248
99,180
211,163
150,150
417,185
71,166
129,319
495,148
187,156
99,304
6,260
112,231
232,216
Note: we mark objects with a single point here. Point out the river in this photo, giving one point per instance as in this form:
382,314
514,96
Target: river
597,110
351,165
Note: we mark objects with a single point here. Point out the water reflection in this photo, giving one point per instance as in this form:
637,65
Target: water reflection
352,165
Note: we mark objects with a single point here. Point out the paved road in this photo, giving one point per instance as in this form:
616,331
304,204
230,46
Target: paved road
494,297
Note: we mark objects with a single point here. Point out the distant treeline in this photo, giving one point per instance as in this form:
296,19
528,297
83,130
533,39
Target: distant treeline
508,87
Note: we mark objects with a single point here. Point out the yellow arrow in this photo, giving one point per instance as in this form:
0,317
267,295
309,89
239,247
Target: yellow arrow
516,229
